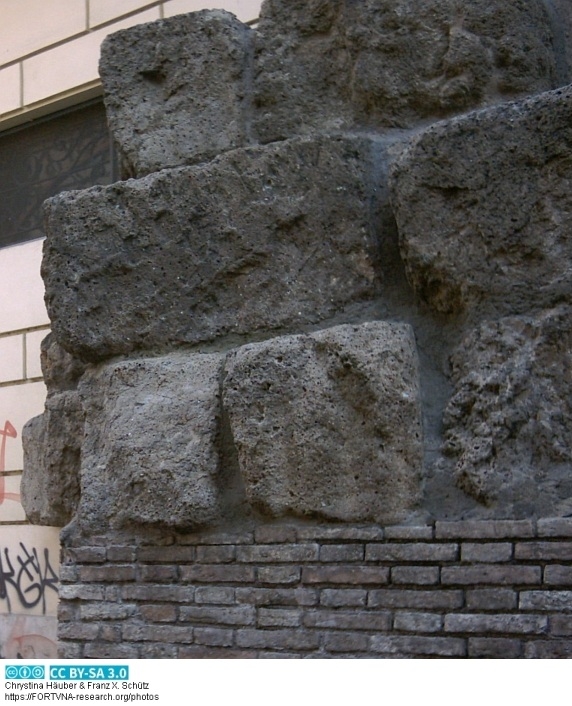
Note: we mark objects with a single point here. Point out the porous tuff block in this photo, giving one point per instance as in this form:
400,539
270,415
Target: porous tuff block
483,207
61,370
52,445
326,65
508,424
175,89
329,424
149,455
257,239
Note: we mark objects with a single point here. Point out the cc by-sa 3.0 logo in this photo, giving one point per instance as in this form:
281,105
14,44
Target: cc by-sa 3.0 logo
24,671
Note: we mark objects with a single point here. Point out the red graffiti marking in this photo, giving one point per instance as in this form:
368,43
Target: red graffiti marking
23,644
8,431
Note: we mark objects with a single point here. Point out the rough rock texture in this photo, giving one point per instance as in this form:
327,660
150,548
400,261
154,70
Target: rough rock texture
326,65
259,238
175,90
149,455
61,371
52,441
52,446
243,242
560,14
484,208
329,425
509,422
185,89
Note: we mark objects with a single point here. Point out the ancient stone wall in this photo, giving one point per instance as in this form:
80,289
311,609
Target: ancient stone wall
335,289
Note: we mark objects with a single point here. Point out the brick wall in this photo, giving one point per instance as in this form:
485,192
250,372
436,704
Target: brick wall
454,589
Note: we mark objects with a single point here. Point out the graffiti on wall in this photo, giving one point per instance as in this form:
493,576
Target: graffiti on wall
29,571
8,432
25,577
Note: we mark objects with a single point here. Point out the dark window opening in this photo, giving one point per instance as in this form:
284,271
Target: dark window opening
64,151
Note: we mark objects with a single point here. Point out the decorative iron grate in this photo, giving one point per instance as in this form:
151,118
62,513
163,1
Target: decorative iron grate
67,150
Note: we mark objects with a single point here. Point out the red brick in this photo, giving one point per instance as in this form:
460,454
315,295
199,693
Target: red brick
364,534
423,600
548,649
504,623
205,652
157,633
404,645
491,599
546,601
484,529
279,617
370,620
217,573
495,648
419,575
339,597
161,613
543,551
160,573
555,527
557,575
278,574
218,595
490,574
169,594
560,625
417,622
489,552
216,554
277,553
107,572
277,596
351,575
173,554
412,552
214,637
219,615
346,642
342,552
294,639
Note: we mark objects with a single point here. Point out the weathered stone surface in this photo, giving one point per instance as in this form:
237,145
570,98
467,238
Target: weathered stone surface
326,65
560,14
61,370
509,422
149,454
259,238
52,446
175,89
484,208
329,424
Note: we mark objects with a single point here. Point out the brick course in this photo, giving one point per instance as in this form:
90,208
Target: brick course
445,591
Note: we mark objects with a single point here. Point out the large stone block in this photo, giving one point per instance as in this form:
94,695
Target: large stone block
61,370
52,447
175,89
329,424
508,424
325,65
259,238
149,454
484,208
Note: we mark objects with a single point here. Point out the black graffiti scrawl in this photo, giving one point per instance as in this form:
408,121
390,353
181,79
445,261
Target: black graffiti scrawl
25,577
